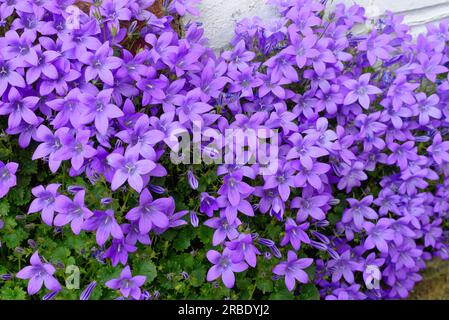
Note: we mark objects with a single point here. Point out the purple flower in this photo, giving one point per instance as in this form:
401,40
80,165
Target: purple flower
344,267
430,66
295,234
8,75
224,267
439,149
118,251
150,213
76,149
282,180
129,168
184,6
223,229
351,176
234,188
71,211
243,249
142,138
360,91
39,274
376,47
128,285
309,205
292,270
7,177
19,108
426,108
101,110
402,154
51,142
100,64
378,234
239,57
208,204
359,211
69,109
43,66
45,201
105,225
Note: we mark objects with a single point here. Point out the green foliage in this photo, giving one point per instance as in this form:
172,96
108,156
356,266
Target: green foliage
175,264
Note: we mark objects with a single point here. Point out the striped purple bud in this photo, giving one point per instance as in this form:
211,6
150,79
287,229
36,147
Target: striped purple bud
32,243
275,251
74,189
322,224
2,224
334,202
320,236
194,221
266,242
267,255
334,254
145,295
185,275
19,250
21,217
156,189
254,236
422,139
318,245
132,27
106,201
6,276
156,294
85,295
193,181
275,277
336,169
118,144
50,296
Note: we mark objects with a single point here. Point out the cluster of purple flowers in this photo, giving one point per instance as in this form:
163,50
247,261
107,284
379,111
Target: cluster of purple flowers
353,113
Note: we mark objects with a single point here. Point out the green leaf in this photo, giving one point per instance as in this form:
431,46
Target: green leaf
146,268
15,293
282,294
4,207
265,285
309,292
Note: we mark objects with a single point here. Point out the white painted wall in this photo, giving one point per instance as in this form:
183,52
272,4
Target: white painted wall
220,16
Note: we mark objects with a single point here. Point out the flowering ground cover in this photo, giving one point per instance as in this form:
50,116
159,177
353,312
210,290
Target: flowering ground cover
306,161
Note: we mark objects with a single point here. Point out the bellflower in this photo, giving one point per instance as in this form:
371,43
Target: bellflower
7,177
150,212
292,270
224,266
128,285
39,273
105,224
45,201
129,168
